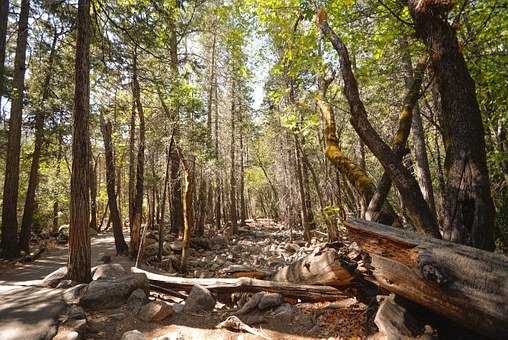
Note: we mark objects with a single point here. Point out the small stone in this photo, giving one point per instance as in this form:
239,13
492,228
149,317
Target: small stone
155,311
133,335
199,300
54,278
136,300
270,300
66,284
108,271
75,312
73,295
72,335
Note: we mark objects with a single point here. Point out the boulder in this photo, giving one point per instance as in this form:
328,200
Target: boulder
54,278
107,271
155,311
112,293
75,312
199,300
136,300
133,335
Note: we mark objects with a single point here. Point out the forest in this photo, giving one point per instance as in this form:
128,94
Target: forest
269,169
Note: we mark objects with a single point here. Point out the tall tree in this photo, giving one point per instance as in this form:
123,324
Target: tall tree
137,210
4,18
121,246
78,266
233,216
9,242
33,180
469,210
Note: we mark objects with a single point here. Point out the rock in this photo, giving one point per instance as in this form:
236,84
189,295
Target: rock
54,278
75,312
270,300
285,310
73,294
63,230
155,311
67,335
150,250
199,300
133,335
136,300
178,307
105,259
107,271
176,246
92,232
112,293
76,325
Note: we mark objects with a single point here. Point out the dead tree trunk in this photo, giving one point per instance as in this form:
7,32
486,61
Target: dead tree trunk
456,281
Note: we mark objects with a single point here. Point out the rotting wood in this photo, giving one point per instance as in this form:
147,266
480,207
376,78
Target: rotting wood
219,285
465,284
322,267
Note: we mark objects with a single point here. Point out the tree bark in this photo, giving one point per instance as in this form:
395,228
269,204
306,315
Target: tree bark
132,162
177,218
411,194
78,266
232,178
164,195
9,242
469,210
120,244
4,16
458,282
137,209
33,180
243,207
92,180
188,211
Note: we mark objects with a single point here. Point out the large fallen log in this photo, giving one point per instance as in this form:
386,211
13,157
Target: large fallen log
322,267
221,286
462,283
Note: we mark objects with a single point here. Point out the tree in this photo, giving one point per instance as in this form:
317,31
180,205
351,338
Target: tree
469,209
4,18
121,246
79,264
9,242
137,209
28,211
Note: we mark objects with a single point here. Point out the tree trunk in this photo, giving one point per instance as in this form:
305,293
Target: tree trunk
177,218
121,245
137,210
469,210
400,140
33,181
188,211
243,207
232,178
4,16
78,266
132,163
9,242
92,180
164,195
420,213
419,142
202,206
456,281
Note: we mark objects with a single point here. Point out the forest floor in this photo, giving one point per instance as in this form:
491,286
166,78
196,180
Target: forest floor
261,245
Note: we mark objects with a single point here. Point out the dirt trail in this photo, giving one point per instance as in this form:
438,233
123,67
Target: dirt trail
28,310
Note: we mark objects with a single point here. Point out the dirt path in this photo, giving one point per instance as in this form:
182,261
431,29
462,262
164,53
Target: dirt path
28,310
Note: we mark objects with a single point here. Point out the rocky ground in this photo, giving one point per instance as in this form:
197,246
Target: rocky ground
118,303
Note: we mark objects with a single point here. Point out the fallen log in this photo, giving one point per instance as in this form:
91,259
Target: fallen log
221,286
322,267
464,284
